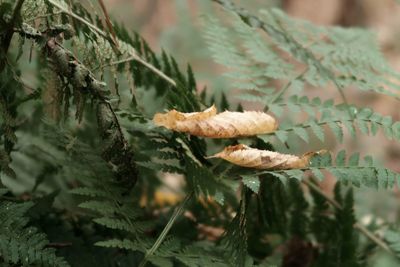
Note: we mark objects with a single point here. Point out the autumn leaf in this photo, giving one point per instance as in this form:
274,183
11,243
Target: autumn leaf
223,125
245,156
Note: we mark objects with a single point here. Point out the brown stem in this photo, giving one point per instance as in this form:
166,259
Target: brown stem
108,22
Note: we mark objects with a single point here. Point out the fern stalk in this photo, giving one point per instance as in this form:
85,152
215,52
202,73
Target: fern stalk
325,123
178,211
357,225
280,93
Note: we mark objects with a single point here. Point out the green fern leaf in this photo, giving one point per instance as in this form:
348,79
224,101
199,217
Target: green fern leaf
252,182
23,245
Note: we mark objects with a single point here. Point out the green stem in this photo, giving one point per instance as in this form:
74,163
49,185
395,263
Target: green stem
325,123
319,168
178,211
284,89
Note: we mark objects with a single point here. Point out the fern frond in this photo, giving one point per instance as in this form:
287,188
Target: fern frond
392,238
321,225
251,64
21,244
335,117
122,244
299,219
104,196
194,255
235,236
347,237
252,182
327,52
368,173
204,182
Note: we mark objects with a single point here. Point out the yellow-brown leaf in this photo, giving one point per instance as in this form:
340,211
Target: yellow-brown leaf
223,125
245,156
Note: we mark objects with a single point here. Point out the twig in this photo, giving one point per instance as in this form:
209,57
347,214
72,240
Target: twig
59,245
134,56
108,22
143,62
357,225
153,69
80,19
178,211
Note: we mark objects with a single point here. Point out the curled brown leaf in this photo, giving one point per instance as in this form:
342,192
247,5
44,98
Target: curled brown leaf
245,156
223,125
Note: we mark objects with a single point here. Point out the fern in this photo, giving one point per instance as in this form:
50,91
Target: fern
23,244
316,48
193,255
336,118
235,237
98,87
392,238
105,197
299,223
347,237
252,65
369,173
341,247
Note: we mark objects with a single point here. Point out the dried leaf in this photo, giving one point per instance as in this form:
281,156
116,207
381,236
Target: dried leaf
223,125
245,156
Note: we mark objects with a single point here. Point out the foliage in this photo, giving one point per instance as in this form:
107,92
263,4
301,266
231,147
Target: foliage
22,244
83,165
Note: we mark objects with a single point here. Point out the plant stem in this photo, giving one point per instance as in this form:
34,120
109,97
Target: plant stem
178,211
276,96
108,22
357,225
78,18
134,56
354,119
